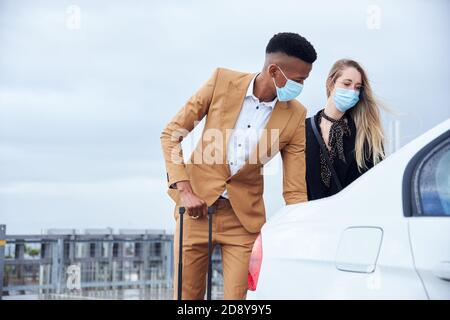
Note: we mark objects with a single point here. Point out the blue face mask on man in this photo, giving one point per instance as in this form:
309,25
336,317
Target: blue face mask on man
345,99
291,89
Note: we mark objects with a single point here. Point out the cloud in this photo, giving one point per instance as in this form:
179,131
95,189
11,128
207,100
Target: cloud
81,111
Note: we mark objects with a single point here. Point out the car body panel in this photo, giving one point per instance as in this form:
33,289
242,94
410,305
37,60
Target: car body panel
300,242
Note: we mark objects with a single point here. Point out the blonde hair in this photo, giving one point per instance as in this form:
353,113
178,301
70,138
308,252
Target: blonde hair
369,142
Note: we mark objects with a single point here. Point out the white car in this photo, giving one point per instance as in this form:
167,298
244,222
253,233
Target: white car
385,236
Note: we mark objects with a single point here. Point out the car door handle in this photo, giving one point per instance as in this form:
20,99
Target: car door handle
442,270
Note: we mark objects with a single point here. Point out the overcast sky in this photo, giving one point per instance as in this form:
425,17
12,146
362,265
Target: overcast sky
87,86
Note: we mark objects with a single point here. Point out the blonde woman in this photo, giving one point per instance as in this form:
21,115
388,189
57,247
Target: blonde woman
345,139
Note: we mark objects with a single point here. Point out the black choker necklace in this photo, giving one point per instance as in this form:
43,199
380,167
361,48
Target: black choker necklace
323,114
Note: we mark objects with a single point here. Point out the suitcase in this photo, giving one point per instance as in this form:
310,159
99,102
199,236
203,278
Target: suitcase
181,211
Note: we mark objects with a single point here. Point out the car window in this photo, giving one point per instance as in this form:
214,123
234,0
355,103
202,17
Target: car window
434,182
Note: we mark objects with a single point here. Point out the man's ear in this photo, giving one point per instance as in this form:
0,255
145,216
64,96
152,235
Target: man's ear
272,69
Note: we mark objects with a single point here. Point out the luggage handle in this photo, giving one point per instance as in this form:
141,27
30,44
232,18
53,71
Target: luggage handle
181,211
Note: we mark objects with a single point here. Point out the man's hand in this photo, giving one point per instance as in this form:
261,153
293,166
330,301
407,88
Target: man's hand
195,206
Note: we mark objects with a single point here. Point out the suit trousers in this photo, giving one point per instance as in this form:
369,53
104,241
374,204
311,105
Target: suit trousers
236,246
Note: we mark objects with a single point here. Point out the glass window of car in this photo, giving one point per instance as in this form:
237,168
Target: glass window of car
433,182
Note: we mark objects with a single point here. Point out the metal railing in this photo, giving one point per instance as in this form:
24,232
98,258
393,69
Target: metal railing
107,266
2,255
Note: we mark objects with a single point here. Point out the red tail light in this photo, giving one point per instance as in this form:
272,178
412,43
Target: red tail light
255,264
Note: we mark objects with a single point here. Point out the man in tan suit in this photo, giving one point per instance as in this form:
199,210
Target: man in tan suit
250,117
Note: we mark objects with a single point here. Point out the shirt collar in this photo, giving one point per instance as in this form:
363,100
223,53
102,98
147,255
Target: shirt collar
250,94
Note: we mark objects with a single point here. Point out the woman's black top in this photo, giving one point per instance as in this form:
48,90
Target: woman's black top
347,171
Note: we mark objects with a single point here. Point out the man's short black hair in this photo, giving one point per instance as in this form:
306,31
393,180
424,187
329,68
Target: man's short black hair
292,44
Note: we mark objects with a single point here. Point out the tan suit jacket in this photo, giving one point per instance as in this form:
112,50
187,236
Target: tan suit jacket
220,99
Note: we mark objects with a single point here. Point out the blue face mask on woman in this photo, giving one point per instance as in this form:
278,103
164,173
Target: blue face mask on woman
345,99
291,89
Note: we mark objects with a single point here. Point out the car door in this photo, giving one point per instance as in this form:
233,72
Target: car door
427,206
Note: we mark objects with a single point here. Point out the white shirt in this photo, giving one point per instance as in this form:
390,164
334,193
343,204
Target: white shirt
251,121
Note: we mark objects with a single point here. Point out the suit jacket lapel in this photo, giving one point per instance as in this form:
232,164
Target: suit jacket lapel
270,136
234,100
281,114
